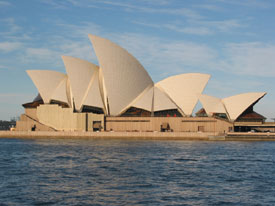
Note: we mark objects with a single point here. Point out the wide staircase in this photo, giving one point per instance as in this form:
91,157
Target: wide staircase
27,123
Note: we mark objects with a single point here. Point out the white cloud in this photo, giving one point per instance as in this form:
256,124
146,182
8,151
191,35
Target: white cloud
55,4
40,53
223,25
249,3
5,3
157,2
8,27
41,56
189,13
191,30
153,6
178,28
197,27
80,50
210,7
81,30
75,41
9,46
254,58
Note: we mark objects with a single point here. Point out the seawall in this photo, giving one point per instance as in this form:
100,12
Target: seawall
107,135
234,136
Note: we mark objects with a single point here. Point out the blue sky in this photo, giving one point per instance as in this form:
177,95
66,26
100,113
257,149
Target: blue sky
233,41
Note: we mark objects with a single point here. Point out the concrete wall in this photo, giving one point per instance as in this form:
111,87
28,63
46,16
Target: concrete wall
64,119
31,112
177,124
26,124
51,116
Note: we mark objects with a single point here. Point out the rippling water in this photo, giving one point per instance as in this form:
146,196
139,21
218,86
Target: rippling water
113,172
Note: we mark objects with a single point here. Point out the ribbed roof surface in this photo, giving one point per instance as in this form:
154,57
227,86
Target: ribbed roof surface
237,104
124,77
162,101
184,89
146,100
81,74
211,104
49,84
94,97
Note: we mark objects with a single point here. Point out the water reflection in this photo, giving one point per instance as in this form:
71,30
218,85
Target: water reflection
114,172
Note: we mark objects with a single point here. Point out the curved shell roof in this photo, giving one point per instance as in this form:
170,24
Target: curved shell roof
60,93
162,101
82,75
236,105
124,77
154,100
212,104
94,97
146,100
50,84
184,89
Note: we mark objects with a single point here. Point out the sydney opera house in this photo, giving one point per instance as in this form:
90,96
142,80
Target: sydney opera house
119,95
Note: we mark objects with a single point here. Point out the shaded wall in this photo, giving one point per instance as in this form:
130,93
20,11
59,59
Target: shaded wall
65,119
177,124
50,117
27,123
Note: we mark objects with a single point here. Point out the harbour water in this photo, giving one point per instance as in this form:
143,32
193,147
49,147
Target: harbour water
125,172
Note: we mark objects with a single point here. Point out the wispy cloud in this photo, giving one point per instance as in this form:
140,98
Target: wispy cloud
210,7
157,2
146,6
9,27
171,11
221,88
197,27
81,50
178,28
73,42
56,4
222,26
249,3
5,3
254,58
81,30
9,46
40,53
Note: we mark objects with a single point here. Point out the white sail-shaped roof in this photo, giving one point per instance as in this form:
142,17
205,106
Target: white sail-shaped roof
184,89
212,104
82,74
158,98
236,105
146,100
47,82
60,93
124,77
94,97
162,101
